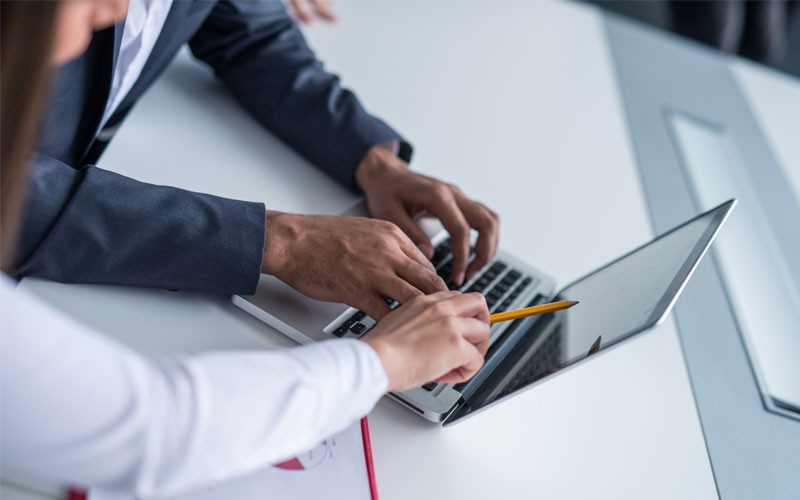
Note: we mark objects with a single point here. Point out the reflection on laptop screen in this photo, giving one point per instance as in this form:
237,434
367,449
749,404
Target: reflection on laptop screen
622,297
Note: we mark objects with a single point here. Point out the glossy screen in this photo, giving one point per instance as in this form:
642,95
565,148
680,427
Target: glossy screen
620,299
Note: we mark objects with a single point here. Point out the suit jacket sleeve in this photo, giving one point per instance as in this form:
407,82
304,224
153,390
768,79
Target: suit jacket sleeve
90,225
257,50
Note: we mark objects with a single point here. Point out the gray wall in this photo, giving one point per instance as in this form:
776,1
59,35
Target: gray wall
656,13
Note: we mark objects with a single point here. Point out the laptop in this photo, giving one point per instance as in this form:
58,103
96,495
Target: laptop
627,296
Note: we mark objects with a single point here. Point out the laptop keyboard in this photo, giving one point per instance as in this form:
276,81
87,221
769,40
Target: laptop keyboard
500,283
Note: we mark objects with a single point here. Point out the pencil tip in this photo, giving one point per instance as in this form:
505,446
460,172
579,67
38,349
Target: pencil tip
574,302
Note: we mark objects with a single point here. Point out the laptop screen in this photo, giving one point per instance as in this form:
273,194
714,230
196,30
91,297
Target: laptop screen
625,297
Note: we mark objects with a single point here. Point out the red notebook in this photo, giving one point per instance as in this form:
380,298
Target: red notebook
339,467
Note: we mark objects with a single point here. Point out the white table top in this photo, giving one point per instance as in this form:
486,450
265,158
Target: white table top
519,91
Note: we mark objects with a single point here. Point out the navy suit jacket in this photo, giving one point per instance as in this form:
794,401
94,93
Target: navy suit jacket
83,224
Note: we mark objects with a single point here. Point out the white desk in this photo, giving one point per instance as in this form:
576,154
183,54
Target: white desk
522,89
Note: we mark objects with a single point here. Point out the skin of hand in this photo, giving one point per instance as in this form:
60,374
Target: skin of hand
397,194
306,10
443,337
355,260
76,22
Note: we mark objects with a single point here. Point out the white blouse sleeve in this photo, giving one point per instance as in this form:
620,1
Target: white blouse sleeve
79,407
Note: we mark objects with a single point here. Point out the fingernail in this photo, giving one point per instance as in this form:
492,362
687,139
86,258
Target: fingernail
459,279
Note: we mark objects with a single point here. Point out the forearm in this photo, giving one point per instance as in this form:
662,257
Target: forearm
79,407
257,50
95,226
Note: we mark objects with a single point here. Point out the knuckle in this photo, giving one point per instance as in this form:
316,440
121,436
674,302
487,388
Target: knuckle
441,308
432,298
442,191
416,303
450,325
488,217
423,304
385,243
458,236
487,220
395,230
460,230
452,328
383,226
479,297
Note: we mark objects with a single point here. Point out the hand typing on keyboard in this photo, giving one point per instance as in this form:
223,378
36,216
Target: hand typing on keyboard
397,194
441,337
354,260
501,284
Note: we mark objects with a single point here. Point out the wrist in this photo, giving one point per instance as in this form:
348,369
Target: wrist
279,233
376,163
385,354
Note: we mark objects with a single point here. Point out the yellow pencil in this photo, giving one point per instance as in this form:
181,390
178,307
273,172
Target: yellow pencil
531,311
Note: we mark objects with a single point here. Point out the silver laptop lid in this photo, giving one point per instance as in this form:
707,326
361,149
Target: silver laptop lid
617,301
